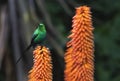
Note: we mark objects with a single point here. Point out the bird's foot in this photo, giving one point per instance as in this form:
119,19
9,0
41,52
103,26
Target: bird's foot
41,47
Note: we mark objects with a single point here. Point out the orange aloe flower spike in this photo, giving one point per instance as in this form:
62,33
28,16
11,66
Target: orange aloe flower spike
42,68
79,57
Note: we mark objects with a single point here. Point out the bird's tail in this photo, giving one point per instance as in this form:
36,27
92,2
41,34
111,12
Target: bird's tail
24,53
27,48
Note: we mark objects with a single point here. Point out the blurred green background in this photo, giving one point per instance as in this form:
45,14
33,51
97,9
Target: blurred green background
19,18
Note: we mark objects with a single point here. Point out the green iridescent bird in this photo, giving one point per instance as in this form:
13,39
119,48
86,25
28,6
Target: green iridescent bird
38,37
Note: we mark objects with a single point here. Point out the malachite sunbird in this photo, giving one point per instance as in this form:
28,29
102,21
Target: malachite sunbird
38,37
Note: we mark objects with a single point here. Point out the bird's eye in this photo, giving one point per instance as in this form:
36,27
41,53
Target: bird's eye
41,24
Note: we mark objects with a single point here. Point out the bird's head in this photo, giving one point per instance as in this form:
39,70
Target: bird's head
41,27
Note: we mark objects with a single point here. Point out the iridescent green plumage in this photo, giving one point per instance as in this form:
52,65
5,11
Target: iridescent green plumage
38,37
39,34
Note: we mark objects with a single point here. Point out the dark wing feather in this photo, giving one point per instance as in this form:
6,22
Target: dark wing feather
33,38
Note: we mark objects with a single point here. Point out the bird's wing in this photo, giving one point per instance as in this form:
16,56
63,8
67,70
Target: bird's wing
33,37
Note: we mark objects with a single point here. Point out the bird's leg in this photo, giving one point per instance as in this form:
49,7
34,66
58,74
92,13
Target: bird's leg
41,47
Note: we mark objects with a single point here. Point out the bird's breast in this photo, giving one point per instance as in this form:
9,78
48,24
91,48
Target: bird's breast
40,38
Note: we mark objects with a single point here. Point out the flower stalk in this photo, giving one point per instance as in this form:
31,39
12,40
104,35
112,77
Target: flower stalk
42,68
79,57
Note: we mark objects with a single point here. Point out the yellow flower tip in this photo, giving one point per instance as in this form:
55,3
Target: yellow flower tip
42,68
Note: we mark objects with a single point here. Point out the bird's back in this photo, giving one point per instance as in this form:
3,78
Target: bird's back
40,36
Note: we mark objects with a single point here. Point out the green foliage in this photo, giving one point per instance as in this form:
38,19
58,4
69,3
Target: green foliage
107,39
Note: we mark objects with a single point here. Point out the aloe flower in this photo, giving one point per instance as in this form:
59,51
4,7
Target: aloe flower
79,57
42,68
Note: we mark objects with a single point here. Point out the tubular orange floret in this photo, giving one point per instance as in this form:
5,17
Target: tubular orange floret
42,68
79,55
